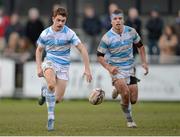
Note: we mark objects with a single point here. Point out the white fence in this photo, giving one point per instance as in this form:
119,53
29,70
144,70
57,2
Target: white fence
7,77
77,86
162,83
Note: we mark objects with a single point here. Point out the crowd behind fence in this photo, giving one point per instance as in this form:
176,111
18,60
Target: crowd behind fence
18,35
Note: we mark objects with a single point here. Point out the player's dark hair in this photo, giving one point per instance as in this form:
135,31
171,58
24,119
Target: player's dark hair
118,11
60,11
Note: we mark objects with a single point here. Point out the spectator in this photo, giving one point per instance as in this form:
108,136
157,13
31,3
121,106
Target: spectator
4,22
24,50
12,45
134,21
18,49
34,27
24,54
177,21
154,27
167,44
177,28
106,21
92,27
15,26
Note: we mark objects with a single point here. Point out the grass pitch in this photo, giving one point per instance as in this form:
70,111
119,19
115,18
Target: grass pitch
79,118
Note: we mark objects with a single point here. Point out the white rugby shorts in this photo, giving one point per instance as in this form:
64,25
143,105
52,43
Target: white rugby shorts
61,72
122,74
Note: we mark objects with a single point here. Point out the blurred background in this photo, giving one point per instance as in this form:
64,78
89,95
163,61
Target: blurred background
157,22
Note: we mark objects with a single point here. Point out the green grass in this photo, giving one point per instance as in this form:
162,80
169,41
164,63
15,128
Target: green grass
79,118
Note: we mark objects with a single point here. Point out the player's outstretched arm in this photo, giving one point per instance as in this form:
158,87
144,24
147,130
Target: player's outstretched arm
85,57
39,52
142,54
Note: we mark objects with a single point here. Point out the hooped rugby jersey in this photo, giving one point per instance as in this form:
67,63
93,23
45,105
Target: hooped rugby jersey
119,47
58,44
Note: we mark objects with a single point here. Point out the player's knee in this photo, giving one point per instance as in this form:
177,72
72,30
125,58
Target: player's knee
59,99
51,87
125,98
126,95
133,101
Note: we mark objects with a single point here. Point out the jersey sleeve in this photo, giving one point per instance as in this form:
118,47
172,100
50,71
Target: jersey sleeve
136,37
41,40
103,45
74,39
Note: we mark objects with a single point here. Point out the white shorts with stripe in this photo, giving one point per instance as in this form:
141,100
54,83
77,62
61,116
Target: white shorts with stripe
123,75
62,72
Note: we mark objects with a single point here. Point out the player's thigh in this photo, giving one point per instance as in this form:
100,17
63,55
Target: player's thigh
50,76
133,93
60,88
121,85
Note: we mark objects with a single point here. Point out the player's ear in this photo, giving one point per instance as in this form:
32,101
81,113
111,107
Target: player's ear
123,21
53,18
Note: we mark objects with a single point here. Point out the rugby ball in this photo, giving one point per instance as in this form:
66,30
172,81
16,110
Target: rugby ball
96,96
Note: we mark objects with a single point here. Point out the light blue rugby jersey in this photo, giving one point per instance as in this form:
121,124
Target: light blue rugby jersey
58,44
119,47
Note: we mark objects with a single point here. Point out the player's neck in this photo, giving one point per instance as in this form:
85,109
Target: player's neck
118,31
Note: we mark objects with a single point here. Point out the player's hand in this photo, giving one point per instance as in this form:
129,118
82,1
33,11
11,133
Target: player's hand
88,76
113,70
40,72
145,66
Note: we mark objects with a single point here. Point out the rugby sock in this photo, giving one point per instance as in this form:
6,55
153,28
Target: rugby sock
44,91
50,102
130,108
127,112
